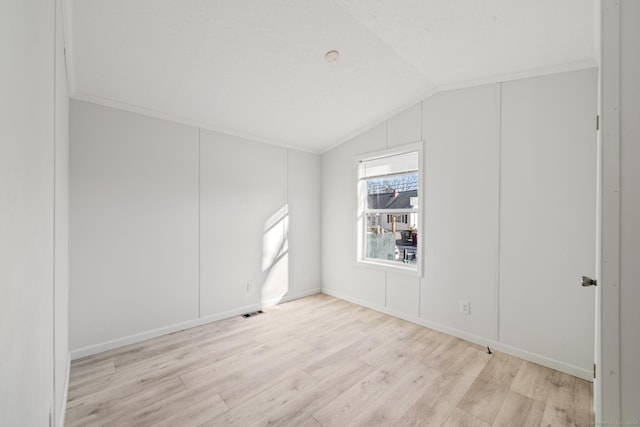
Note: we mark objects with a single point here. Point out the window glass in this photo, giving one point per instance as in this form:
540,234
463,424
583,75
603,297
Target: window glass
389,188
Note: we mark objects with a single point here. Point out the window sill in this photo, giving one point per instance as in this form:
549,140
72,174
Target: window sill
391,266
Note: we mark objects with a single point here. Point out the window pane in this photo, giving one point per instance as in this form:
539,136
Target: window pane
392,237
394,192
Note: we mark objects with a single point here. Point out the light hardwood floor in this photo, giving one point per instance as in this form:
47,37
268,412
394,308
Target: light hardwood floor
319,361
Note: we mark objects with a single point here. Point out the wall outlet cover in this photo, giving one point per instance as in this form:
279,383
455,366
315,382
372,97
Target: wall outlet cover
465,307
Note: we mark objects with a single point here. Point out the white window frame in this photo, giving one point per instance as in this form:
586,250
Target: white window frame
361,210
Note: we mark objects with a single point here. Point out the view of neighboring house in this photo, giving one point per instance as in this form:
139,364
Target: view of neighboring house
394,200
391,233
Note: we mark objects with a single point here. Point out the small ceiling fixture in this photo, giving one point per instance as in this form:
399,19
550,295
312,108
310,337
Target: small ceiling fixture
332,56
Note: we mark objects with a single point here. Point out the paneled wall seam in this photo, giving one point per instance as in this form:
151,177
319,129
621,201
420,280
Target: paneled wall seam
421,121
53,409
386,134
386,287
199,230
499,251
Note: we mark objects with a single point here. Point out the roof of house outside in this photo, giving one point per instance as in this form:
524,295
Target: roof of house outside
391,201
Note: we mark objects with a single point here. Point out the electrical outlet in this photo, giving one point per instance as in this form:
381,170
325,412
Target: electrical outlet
250,287
465,307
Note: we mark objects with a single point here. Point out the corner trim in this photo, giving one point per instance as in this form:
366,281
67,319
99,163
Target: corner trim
63,406
67,30
576,371
608,393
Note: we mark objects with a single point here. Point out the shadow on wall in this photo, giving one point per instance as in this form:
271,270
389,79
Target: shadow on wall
275,257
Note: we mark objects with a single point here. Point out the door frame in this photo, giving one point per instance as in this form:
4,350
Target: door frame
607,339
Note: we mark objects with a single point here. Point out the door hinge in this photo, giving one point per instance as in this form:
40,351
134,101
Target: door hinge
597,121
594,371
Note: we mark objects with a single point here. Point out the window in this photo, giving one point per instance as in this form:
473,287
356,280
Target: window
388,217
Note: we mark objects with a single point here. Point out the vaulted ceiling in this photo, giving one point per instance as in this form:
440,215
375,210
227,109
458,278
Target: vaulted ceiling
257,68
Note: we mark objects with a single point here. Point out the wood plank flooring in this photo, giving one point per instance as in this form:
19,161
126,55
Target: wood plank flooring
319,361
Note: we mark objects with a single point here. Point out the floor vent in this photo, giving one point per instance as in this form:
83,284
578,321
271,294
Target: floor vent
253,313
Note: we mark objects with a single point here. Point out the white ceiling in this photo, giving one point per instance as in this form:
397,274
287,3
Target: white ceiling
256,68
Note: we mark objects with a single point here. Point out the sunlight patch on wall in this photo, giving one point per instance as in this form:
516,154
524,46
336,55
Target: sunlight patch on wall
275,262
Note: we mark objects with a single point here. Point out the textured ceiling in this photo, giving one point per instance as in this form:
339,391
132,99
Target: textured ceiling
256,68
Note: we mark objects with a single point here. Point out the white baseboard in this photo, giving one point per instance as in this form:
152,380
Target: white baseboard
142,336
496,345
63,406
476,339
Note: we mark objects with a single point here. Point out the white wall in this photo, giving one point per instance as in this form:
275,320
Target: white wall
473,154
61,231
629,210
303,199
340,274
259,223
32,141
169,223
243,196
134,224
547,216
461,130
